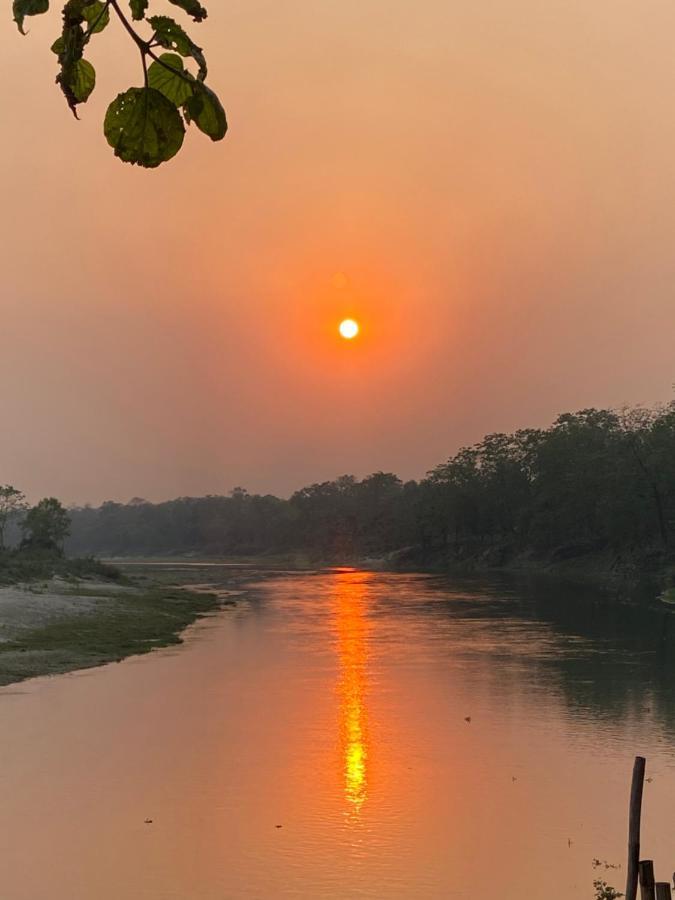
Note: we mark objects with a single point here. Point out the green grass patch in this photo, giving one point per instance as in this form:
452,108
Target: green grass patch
109,629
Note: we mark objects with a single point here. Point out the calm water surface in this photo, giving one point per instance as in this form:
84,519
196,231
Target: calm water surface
348,734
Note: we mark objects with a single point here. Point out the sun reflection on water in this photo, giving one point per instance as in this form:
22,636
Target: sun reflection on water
352,626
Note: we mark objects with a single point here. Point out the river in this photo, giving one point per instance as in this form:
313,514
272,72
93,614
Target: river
348,734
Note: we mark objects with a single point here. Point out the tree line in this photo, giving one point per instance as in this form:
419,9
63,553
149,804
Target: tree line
593,481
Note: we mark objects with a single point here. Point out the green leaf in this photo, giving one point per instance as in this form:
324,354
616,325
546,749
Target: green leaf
23,8
71,44
72,78
138,9
97,16
73,12
82,80
144,127
171,78
192,8
206,111
170,35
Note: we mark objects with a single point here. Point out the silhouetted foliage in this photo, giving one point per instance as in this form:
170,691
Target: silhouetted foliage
45,527
12,504
595,481
144,125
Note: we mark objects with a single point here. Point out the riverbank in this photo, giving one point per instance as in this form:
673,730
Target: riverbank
57,625
644,574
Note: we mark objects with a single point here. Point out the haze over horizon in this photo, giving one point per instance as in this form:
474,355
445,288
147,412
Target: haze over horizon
490,191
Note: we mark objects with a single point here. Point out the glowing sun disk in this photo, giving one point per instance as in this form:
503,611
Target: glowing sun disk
348,329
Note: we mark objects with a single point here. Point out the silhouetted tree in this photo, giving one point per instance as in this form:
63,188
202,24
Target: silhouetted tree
12,503
46,526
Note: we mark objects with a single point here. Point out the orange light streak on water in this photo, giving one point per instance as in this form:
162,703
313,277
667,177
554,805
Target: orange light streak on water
352,627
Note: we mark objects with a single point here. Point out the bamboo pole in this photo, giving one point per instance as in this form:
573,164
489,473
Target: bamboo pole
647,888
663,890
634,814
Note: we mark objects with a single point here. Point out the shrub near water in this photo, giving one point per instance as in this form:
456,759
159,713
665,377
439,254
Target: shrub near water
603,891
21,566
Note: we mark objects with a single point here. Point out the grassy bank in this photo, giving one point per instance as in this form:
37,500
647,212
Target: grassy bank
17,566
65,623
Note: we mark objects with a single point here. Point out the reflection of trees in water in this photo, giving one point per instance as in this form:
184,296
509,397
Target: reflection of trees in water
626,667
607,659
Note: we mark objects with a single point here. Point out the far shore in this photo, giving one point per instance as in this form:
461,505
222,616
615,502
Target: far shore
641,578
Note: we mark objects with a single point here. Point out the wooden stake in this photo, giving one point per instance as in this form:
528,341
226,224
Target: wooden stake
647,889
663,890
634,814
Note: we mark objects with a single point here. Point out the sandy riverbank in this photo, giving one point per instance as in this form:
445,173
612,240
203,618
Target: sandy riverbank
54,626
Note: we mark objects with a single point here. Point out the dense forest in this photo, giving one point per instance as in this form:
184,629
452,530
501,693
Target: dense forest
595,481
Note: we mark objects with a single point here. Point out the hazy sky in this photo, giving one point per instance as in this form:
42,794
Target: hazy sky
495,181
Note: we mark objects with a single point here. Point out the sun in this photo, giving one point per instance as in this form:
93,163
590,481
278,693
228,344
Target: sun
348,329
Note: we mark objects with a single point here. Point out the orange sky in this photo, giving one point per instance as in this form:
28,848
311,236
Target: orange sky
496,182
